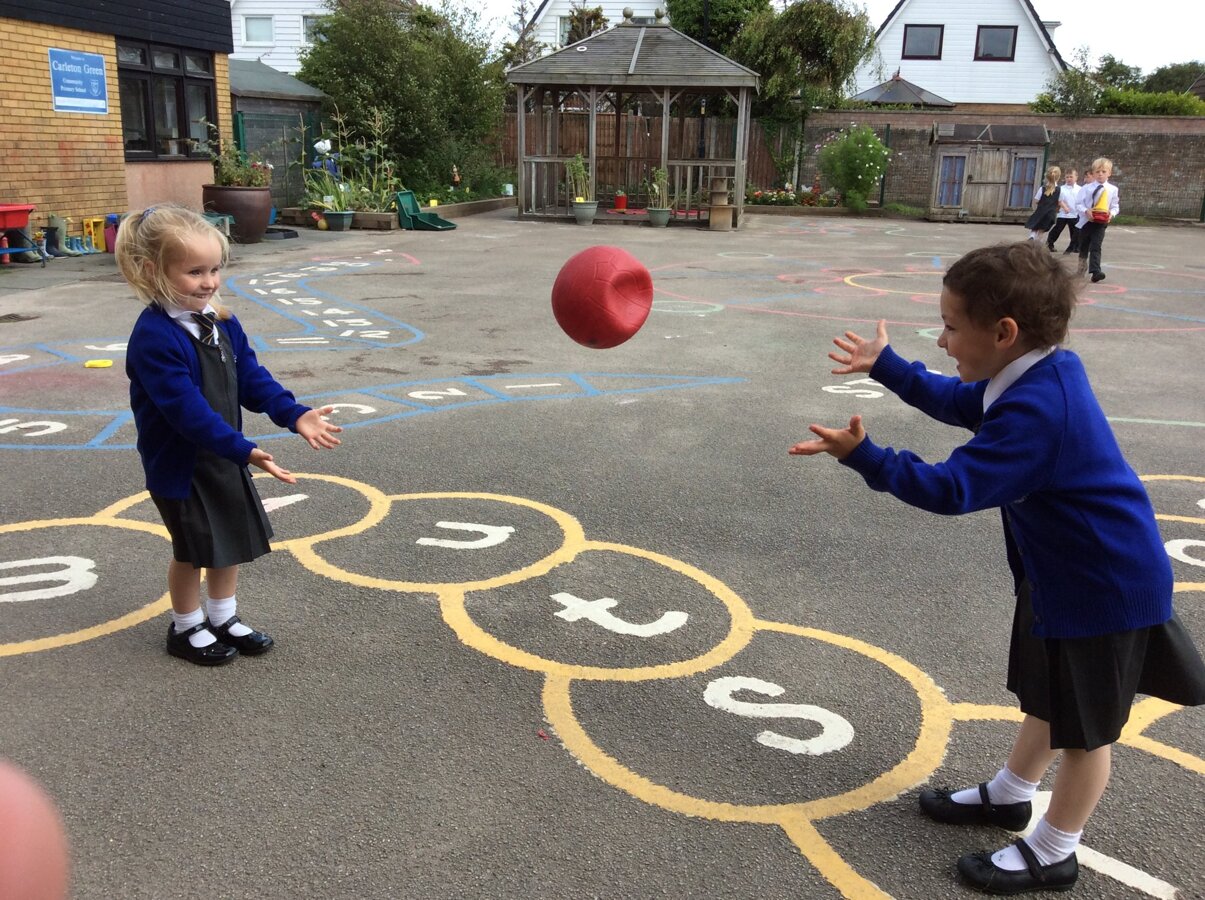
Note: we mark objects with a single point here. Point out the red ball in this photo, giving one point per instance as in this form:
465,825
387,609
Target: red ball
602,296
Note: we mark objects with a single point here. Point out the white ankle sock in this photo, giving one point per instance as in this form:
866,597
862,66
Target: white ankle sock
1048,844
1006,787
185,621
220,612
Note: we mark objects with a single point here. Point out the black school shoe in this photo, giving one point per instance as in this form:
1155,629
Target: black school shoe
936,804
978,870
216,654
251,644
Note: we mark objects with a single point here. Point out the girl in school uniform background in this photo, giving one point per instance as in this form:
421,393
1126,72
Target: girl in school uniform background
191,372
1047,199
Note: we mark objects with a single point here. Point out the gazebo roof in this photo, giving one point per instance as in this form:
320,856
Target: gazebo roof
630,55
898,90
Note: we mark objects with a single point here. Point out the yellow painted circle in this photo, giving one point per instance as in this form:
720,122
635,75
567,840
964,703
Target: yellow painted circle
452,604
142,614
571,531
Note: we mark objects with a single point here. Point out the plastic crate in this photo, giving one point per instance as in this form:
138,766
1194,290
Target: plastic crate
14,215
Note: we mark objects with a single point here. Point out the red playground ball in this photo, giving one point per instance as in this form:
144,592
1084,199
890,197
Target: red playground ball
602,296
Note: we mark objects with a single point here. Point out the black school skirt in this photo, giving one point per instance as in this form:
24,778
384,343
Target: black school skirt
222,523
1084,687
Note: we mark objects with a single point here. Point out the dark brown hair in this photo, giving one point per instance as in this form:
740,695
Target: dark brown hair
1021,281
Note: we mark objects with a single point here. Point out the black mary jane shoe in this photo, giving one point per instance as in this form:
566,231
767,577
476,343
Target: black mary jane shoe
215,654
251,644
936,804
978,870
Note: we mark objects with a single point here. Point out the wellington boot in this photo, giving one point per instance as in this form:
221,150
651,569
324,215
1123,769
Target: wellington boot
52,242
63,236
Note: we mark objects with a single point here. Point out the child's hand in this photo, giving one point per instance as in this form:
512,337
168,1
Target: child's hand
860,354
318,433
263,460
838,442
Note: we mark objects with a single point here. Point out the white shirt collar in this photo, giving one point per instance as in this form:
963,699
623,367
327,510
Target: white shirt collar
183,318
1003,380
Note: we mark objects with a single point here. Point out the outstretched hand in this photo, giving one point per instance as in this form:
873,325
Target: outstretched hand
261,459
859,354
317,431
837,442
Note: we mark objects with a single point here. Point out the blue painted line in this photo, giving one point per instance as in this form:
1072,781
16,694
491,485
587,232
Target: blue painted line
584,389
1147,312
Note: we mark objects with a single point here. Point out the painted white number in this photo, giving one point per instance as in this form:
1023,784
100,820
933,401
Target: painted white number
355,407
848,388
436,395
7,425
491,535
835,732
115,347
1179,550
75,575
597,611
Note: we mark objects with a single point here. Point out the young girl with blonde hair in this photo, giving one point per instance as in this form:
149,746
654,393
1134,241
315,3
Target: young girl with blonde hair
1047,199
191,372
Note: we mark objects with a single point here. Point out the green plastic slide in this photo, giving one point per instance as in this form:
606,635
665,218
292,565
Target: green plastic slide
412,218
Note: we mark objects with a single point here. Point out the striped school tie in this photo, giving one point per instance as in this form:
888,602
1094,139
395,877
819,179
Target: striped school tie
208,323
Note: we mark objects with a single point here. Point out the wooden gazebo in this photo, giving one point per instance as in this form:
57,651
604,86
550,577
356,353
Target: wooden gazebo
632,99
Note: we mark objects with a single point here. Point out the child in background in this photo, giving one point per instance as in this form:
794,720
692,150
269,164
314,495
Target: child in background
1093,623
1098,205
1047,199
191,369
1068,215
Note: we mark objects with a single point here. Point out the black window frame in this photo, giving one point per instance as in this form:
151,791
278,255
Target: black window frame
941,38
1012,44
148,76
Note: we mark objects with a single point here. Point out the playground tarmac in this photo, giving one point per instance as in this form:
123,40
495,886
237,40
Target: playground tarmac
556,622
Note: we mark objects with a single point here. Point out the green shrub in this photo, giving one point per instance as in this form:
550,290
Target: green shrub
1116,102
854,160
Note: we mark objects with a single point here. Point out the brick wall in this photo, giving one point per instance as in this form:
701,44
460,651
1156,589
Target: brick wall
73,164
66,163
1158,162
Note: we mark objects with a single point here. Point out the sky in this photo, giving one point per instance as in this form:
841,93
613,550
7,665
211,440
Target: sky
1143,33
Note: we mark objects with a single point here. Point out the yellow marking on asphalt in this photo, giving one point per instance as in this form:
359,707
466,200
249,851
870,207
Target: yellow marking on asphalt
456,615
571,530
828,862
149,611
851,280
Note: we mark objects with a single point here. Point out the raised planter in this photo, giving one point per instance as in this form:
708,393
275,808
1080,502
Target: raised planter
375,221
768,210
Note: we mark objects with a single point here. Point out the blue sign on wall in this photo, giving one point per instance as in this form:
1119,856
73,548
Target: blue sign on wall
77,82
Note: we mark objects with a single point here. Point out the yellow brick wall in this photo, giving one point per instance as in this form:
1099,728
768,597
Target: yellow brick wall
70,164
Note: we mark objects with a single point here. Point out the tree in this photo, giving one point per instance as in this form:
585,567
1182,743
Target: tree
584,22
1112,72
1177,77
524,48
806,54
714,22
430,73
1072,93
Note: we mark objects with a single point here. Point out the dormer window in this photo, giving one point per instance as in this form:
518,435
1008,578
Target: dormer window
996,43
923,41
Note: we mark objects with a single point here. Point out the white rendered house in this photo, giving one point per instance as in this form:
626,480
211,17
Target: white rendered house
549,24
985,52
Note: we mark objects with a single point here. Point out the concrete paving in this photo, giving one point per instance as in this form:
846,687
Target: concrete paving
454,707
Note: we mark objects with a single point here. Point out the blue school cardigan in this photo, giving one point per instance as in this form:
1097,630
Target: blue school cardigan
1082,521
172,415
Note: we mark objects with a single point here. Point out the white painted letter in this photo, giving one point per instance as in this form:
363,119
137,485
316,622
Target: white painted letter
492,535
75,575
597,612
835,732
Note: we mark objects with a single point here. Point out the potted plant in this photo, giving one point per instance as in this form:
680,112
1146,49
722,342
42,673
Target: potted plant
621,199
325,189
585,207
241,188
659,214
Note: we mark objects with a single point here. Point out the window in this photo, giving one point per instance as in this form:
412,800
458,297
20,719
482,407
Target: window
923,41
949,189
562,31
996,43
257,29
308,23
167,96
1023,182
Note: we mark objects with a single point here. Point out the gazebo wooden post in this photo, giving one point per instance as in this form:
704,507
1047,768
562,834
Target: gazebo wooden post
742,153
593,142
521,128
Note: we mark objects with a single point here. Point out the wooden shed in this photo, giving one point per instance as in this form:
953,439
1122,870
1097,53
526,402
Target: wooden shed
986,173
633,99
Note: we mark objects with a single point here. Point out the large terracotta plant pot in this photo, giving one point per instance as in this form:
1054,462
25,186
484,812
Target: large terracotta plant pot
250,206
